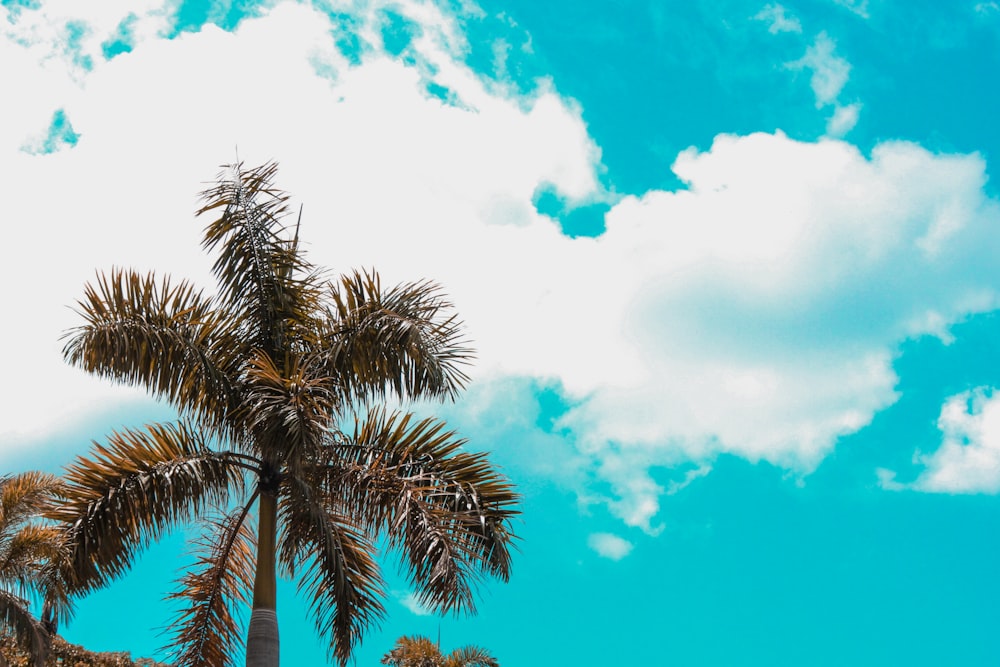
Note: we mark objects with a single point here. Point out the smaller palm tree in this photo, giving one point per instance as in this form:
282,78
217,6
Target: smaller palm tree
422,652
30,558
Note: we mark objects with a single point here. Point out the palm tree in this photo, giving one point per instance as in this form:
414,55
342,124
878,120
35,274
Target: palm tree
280,446
30,558
422,652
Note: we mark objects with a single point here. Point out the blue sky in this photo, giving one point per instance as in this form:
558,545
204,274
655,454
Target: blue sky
729,266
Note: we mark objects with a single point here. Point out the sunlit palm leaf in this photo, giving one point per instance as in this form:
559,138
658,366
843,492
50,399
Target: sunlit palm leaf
166,338
128,491
22,497
446,510
22,554
335,566
405,340
206,633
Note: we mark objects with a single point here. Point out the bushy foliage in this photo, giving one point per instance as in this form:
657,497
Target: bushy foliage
64,654
422,652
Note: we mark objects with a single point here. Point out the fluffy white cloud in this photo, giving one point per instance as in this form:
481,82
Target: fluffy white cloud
763,304
968,460
610,546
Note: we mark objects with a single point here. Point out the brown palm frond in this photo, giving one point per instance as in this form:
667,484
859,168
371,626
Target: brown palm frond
447,511
139,330
23,553
470,656
16,621
265,279
23,496
405,340
207,634
334,564
128,491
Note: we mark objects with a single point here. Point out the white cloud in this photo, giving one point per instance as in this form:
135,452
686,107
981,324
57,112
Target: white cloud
968,460
412,603
765,302
690,476
843,120
830,72
778,20
859,7
887,480
610,546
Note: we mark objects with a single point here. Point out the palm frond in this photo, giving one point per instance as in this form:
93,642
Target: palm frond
265,279
334,564
206,633
23,496
143,331
447,511
17,621
404,341
128,491
23,554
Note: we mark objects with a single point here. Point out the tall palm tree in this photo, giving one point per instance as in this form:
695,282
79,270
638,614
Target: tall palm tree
280,446
422,652
30,559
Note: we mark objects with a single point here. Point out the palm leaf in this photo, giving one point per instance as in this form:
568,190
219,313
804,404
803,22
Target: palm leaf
23,553
446,510
207,634
404,340
132,489
23,496
142,331
16,621
334,564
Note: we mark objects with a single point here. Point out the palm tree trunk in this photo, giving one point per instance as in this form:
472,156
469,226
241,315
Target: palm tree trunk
262,636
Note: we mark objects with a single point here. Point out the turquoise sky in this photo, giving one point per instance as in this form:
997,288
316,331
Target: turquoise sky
730,266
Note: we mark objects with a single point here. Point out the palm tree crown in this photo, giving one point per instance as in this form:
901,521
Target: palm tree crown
280,446
31,557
